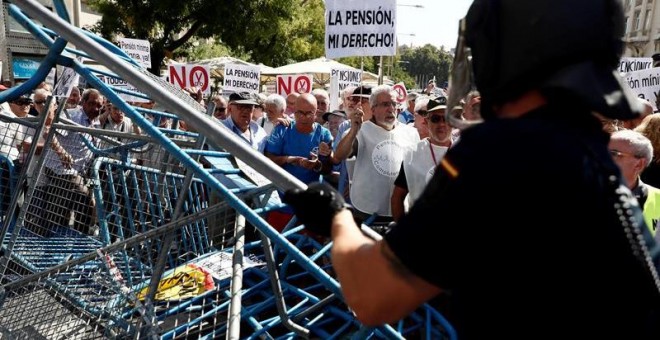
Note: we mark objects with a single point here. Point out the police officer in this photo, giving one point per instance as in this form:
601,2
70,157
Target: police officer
526,225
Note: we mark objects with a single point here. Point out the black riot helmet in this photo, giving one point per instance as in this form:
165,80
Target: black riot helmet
560,47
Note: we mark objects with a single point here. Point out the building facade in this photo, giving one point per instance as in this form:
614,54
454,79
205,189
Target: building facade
642,30
20,52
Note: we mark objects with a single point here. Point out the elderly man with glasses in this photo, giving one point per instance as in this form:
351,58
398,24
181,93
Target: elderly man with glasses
419,163
240,120
18,108
378,145
632,152
302,149
220,111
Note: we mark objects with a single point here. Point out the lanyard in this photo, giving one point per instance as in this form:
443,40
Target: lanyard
435,163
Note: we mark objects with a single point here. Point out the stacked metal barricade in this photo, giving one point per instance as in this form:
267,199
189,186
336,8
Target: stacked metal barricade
159,237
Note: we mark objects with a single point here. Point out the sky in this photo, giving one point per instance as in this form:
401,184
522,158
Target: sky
436,23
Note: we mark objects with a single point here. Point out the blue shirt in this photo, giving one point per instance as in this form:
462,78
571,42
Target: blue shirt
287,141
406,117
258,135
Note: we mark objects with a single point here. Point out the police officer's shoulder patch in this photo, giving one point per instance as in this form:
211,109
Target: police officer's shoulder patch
446,165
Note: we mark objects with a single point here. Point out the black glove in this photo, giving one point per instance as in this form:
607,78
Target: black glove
316,206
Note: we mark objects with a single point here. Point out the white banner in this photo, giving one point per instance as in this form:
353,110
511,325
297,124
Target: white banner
189,75
347,77
122,84
360,28
298,83
334,93
645,84
629,64
67,80
50,78
140,50
241,78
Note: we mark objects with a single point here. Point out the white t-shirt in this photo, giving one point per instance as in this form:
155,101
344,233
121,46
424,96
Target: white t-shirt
378,161
419,166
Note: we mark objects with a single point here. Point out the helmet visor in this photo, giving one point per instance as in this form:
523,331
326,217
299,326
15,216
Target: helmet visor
463,104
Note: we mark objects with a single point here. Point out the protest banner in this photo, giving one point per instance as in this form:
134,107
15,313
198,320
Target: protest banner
645,84
360,28
289,83
401,92
188,75
347,77
629,64
66,81
242,78
140,50
121,84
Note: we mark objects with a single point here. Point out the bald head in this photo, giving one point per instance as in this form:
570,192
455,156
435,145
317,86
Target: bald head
305,112
304,100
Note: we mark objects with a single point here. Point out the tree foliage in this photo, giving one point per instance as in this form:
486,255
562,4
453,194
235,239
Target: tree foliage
273,32
425,62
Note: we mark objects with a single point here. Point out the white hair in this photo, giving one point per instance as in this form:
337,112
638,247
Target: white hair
421,102
321,92
376,91
641,145
277,100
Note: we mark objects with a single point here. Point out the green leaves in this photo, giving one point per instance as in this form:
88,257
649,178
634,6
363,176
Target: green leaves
273,32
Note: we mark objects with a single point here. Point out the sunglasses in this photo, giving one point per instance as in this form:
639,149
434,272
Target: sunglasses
23,102
435,119
40,102
422,113
220,109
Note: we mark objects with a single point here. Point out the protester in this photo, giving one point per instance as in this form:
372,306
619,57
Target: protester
240,120
407,116
67,169
378,144
301,148
633,152
419,163
526,224
650,128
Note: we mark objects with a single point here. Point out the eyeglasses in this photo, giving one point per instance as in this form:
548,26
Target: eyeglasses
619,154
387,104
305,113
435,119
22,102
40,102
359,99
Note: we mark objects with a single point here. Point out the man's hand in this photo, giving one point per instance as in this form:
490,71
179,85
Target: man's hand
282,121
316,206
324,149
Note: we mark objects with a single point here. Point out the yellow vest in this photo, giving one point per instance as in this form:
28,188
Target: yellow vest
651,209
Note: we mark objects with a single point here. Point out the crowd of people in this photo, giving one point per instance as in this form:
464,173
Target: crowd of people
538,221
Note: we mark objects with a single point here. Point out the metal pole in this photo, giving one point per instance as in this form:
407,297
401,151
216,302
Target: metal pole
76,13
380,71
234,318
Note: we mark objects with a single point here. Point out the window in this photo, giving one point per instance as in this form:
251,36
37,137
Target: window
626,28
647,23
637,20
